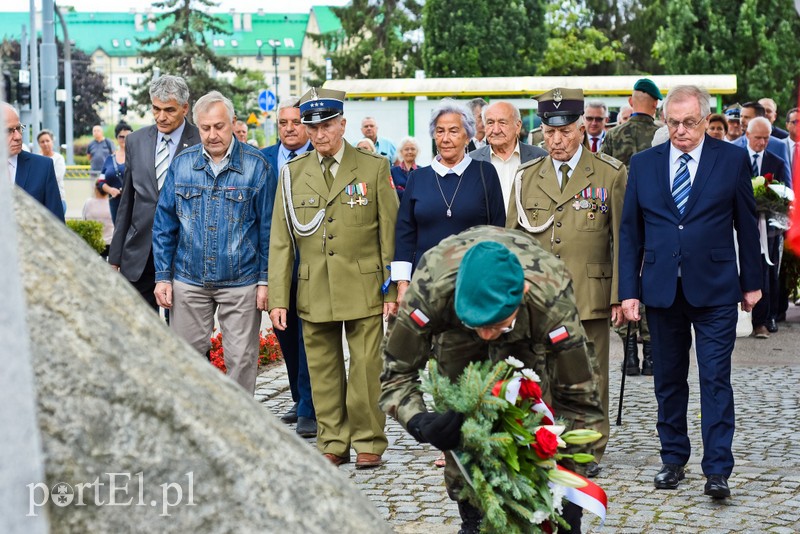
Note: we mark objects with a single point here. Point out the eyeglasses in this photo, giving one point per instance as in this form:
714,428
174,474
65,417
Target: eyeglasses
501,329
122,136
791,122
689,124
595,119
19,128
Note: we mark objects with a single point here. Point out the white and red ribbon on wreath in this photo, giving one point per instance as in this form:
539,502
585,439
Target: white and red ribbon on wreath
590,497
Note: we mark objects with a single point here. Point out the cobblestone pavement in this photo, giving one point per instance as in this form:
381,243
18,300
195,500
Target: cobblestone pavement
409,491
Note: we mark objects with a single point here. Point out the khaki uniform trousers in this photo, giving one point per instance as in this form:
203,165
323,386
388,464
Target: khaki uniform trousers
192,318
598,332
347,406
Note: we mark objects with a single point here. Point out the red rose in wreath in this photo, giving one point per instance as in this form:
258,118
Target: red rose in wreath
528,389
546,444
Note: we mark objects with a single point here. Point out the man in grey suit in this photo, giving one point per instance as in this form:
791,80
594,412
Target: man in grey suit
148,153
503,123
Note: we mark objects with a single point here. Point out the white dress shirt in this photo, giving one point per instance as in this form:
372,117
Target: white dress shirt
506,169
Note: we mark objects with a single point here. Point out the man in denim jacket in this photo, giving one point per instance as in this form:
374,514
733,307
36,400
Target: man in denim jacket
211,239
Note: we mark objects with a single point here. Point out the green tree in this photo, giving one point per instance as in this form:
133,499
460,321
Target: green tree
377,40
468,38
754,39
182,49
89,86
574,46
632,24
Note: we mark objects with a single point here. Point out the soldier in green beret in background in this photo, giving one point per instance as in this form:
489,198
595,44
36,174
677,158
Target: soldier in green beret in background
571,202
525,309
623,142
336,208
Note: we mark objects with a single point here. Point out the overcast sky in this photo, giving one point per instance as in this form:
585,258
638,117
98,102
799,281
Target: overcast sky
270,6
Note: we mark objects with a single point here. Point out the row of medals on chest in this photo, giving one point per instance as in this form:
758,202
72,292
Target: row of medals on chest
352,190
592,199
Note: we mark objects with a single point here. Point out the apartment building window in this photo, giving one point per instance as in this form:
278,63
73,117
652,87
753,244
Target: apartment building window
122,62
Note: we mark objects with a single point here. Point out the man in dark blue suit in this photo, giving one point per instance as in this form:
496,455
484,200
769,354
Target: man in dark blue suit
35,174
677,255
293,141
751,110
764,163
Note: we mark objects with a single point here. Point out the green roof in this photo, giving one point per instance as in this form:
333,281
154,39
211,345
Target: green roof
116,34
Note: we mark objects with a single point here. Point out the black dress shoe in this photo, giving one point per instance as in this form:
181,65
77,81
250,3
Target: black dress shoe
772,326
669,477
306,427
291,415
593,469
717,487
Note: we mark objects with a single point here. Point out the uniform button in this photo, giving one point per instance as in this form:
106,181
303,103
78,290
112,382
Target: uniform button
560,208
680,227
330,219
558,240
558,225
330,253
331,236
558,256
674,254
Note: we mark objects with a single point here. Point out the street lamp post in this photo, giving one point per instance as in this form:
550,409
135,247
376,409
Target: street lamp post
275,44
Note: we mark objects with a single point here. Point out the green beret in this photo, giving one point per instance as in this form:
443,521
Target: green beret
646,85
489,285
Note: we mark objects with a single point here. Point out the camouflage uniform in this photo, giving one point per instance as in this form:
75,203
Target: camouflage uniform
564,367
622,143
625,140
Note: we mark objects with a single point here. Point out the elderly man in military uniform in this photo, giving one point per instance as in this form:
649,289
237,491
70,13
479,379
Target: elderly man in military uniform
571,201
623,142
526,309
336,208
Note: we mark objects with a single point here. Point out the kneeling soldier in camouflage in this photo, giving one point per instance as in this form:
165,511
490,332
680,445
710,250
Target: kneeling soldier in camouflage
488,293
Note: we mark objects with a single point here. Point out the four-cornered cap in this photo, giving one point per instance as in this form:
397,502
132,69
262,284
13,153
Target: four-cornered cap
733,112
646,85
319,105
559,106
489,285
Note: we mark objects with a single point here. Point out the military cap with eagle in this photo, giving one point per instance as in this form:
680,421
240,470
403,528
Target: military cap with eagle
560,106
319,105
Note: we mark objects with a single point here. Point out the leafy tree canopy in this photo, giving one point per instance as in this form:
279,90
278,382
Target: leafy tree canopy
182,49
470,38
377,40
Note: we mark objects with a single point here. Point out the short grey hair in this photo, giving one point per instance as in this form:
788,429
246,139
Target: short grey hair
407,140
680,93
167,87
448,105
597,104
477,104
289,102
206,101
368,142
515,110
759,120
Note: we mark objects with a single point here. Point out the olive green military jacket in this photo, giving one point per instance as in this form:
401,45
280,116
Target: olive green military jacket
548,312
625,140
347,243
576,233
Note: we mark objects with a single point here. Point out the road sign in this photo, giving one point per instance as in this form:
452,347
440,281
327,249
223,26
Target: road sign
266,100
252,119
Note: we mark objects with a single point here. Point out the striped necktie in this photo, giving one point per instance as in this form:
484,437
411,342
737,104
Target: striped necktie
754,166
162,160
682,186
292,155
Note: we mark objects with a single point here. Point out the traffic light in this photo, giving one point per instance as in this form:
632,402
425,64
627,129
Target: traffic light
23,94
123,106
